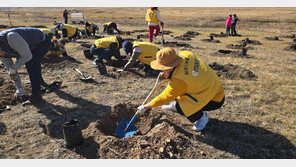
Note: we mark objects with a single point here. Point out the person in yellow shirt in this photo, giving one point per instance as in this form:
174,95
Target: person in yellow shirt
50,32
143,51
194,87
57,48
153,19
90,28
110,27
69,31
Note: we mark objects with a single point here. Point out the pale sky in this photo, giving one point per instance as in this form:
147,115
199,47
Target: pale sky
148,3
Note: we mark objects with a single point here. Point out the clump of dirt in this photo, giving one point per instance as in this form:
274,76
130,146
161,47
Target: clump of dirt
289,36
230,53
218,35
187,36
7,89
253,42
142,36
176,44
231,71
233,46
291,48
272,38
211,41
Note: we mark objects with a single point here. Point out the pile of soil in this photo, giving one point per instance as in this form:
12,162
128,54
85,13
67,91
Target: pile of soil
253,42
53,62
233,46
289,36
218,35
142,36
230,53
176,44
187,36
212,41
7,89
168,32
272,38
291,48
231,71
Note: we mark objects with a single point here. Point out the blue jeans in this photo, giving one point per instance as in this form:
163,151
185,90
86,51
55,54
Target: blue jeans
102,53
34,66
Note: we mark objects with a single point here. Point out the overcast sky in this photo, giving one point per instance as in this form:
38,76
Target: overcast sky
147,3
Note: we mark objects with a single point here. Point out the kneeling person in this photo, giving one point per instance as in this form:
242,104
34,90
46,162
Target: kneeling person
57,48
194,87
90,28
68,31
110,27
143,51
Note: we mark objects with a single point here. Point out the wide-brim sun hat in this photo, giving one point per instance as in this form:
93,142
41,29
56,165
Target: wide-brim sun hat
166,58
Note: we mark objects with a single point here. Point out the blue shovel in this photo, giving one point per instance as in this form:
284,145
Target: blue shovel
127,128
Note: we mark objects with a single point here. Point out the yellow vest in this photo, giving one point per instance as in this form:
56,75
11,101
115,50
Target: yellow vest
71,30
148,53
203,84
46,31
152,16
105,42
107,24
90,29
57,52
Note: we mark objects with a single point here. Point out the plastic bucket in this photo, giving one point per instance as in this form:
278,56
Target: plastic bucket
72,133
87,54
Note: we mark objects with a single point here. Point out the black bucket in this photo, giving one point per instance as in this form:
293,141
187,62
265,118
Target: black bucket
87,54
72,133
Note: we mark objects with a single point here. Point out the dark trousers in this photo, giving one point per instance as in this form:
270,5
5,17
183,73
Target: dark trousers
66,20
233,31
102,53
34,66
227,30
212,105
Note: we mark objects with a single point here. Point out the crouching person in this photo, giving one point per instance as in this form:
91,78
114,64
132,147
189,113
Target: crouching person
105,48
90,28
68,31
143,51
193,89
28,45
110,27
57,48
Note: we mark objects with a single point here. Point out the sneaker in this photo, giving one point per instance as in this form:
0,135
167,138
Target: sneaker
154,37
201,123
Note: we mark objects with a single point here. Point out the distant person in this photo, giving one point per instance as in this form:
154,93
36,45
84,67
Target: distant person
153,19
65,16
228,24
57,48
68,31
143,51
194,87
105,48
28,45
110,27
90,28
233,25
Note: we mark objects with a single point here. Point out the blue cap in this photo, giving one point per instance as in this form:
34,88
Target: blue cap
127,46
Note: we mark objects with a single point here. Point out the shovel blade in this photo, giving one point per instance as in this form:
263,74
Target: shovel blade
119,130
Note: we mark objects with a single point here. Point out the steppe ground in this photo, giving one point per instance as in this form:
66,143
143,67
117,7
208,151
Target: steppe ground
266,103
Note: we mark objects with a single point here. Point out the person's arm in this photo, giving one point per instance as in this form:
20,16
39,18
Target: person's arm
64,32
8,63
18,44
132,60
158,16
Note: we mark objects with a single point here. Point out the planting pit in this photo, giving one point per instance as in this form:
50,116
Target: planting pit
234,46
230,53
211,41
232,72
176,44
187,36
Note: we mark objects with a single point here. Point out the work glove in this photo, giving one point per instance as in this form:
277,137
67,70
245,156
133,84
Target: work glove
141,109
162,75
120,70
19,93
13,74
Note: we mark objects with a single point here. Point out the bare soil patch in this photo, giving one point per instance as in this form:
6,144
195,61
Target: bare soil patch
187,36
234,46
230,53
231,71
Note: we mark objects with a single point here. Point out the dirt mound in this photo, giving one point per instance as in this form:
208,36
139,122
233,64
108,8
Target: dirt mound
288,36
187,36
142,36
176,44
272,38
253,42
291,48
231,71
7,89
233,46
218,35
4,26
230,53
211,41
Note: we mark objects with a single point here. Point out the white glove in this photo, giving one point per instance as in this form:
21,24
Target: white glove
120,70
19,93
13,75
141,109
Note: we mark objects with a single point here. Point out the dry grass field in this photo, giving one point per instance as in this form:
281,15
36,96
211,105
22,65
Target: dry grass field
258,119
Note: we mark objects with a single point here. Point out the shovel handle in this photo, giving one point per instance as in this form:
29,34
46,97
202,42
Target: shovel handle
78,71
